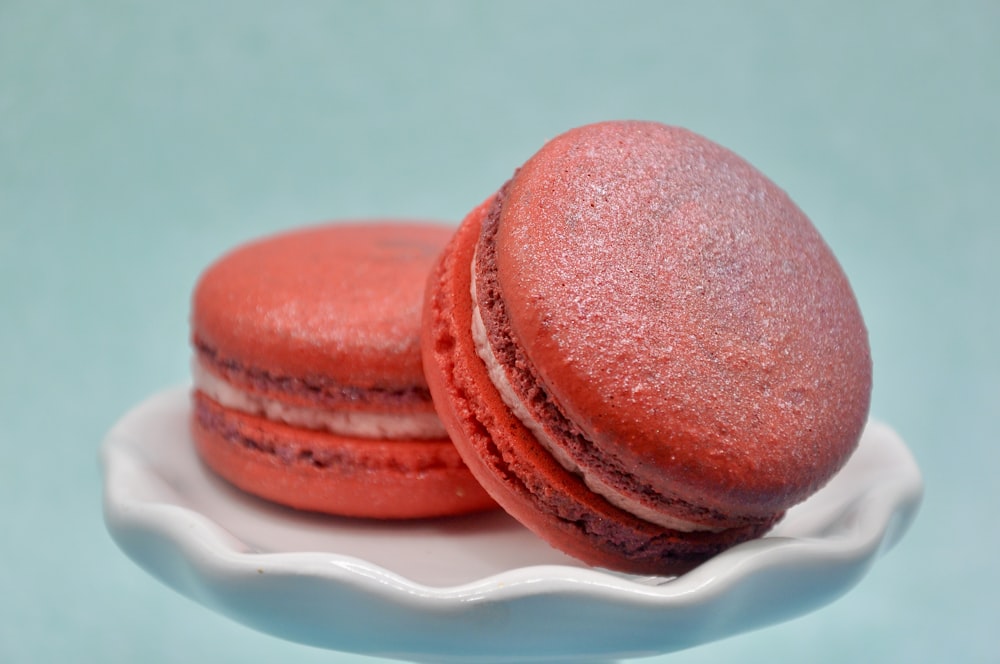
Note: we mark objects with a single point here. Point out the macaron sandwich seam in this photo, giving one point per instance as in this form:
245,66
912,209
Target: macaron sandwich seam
364,423
526,395
316,389
506,459
211,416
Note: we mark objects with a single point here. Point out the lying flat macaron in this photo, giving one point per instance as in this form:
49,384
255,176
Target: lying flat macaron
644,350
308,384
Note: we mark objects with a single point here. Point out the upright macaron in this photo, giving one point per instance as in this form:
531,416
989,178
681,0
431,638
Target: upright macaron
644,350
308,384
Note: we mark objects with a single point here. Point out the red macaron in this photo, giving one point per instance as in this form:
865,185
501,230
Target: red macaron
644,350
309,389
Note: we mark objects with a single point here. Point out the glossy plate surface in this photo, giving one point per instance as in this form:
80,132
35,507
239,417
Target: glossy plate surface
479,588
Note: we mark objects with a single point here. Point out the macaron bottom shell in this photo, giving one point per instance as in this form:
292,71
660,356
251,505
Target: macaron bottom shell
509,462
322,472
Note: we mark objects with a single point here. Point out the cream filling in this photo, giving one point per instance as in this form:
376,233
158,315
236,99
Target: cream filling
379,426
498,376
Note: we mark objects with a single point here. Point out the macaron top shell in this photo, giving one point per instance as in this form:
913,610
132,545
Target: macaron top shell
683,312
339,303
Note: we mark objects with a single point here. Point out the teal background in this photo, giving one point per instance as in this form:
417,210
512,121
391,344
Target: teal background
140,140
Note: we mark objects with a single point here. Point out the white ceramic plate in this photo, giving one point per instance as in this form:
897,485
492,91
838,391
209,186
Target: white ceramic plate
480,588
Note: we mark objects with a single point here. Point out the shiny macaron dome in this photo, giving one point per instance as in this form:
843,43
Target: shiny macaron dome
308,381
672,331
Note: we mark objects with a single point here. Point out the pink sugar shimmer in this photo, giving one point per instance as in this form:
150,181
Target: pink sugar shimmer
309,389
644,350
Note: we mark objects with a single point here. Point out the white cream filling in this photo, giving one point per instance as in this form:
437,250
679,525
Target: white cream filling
379,426
498,376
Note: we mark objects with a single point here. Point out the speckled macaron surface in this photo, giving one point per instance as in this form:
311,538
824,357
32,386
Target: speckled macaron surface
309,389
679,348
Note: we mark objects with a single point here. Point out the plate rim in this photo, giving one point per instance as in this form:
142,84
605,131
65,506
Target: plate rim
200,553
